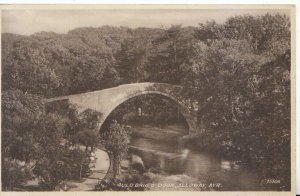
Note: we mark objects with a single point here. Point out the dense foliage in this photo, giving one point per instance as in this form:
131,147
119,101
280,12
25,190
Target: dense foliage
238,72
34,143
243,77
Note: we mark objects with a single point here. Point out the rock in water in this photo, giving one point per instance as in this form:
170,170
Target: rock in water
137,163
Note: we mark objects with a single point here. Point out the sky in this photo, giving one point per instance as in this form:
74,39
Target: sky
26,22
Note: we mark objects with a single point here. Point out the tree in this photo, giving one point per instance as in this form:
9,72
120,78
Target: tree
267,34
55,160
85,132
14,173
79,161
88,138
26,69
169,51
242,84
19,112
272,117
93,73
35,141
208,32
133,58
51,167
116,140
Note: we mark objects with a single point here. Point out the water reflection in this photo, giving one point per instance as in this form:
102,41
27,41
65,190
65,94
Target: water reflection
207,167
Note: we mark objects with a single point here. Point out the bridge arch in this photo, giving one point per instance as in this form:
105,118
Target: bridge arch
106,100
183,109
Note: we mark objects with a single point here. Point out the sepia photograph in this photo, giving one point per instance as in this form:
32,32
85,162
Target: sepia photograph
147,98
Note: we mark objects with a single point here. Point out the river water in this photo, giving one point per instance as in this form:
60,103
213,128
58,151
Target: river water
159,149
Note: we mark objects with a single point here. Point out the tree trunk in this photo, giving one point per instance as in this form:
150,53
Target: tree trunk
80,171
175,53
177,115
201,124
116,166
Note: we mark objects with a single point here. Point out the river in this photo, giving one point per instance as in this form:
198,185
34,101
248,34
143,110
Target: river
159,149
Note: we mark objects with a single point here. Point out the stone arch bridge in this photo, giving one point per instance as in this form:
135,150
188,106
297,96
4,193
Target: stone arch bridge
106,100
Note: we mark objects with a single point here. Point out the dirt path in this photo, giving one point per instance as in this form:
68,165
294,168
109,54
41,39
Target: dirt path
99,172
